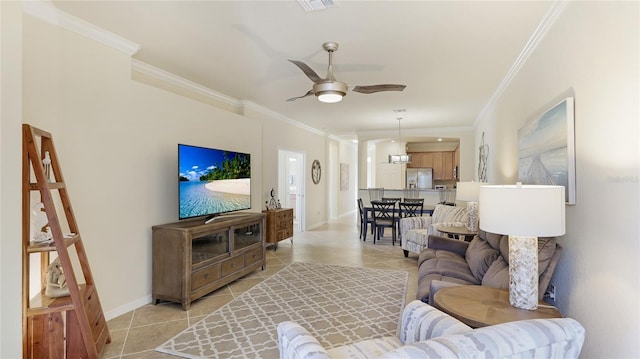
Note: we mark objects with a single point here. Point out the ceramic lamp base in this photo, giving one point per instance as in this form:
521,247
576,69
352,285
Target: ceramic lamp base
523,272
472,210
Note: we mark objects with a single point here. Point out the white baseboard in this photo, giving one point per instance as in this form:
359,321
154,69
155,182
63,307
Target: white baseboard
127,307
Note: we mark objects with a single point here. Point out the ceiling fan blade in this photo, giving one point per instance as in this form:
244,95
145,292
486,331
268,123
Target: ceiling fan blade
378,88
312,75
305,95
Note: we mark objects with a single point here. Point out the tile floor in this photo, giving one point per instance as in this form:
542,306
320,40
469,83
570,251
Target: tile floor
137,333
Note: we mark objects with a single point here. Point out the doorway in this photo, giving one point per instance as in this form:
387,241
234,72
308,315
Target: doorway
291,180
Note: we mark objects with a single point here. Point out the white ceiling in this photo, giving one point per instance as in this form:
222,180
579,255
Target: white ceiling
452,55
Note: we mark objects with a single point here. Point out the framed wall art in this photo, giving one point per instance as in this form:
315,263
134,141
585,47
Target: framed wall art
546,149
316,172
344,177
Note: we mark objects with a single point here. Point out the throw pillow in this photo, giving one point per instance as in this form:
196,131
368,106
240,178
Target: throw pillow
479,256
492,238
497,276
546,248
504,248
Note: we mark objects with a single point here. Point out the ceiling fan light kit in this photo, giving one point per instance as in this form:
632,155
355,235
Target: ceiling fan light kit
330,92
328,89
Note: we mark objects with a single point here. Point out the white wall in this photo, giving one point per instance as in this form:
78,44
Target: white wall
279,134
346,199
10,181
592,53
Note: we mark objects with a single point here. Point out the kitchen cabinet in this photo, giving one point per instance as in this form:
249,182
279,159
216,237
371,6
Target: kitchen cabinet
447,165
421,160
443,163
416,160
438,173
456,162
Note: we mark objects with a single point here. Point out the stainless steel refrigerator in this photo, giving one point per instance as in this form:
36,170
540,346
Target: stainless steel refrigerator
421,178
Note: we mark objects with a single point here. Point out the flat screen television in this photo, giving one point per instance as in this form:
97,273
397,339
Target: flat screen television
212,181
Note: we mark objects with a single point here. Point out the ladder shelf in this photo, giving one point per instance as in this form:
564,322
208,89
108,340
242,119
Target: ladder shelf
83,331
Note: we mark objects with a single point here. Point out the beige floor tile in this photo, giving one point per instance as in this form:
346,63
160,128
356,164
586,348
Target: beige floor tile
121,322
208,304
149,337
153,314
114,349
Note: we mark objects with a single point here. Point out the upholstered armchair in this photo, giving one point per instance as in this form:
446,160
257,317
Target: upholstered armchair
415,231
426,332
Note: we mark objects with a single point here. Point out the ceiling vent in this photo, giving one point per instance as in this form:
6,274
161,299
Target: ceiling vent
316,5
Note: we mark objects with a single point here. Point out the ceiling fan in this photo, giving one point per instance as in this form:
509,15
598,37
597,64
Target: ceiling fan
329,89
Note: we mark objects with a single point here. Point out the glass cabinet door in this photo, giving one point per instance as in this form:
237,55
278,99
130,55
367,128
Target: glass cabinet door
247,235
209,246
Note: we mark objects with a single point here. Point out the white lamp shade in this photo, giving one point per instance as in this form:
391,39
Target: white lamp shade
523,210
468,191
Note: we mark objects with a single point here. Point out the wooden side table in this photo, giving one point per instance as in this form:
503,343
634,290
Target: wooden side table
453,231
279,226
479,306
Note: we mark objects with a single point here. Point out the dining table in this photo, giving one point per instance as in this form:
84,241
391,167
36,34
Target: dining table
368,211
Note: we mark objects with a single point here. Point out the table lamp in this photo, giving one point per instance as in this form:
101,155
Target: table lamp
524,212
469,191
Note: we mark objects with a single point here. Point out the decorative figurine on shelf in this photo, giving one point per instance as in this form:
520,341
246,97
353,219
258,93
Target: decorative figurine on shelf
41,232
273,203
56,281
46,162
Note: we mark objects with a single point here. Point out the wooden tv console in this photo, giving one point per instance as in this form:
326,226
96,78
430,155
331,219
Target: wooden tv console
192,259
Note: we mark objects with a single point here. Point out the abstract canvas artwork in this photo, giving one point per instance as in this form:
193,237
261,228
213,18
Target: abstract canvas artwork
546,149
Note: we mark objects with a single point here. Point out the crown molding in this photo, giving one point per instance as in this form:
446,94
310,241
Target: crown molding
175,80
277,116
412,134
342,140
548,20
46,11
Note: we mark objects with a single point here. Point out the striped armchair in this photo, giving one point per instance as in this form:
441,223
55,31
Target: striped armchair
426,332
415,231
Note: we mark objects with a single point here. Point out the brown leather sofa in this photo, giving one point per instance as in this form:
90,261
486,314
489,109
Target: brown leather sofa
483,261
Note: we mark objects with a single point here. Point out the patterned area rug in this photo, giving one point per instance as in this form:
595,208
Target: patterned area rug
338,305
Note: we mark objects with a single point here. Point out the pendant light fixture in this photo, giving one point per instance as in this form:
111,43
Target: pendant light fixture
403,157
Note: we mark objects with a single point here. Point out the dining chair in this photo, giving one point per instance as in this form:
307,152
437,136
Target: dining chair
391,199
384,216
447,197
364,222
411,208
413,200
375,194
411,193
396,200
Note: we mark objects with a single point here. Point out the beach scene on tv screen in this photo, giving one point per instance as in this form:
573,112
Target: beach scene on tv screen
213,181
